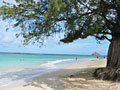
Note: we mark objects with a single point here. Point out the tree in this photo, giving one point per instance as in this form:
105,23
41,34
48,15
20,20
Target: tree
76,18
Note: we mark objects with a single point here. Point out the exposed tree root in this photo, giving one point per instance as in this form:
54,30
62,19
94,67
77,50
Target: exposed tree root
112,74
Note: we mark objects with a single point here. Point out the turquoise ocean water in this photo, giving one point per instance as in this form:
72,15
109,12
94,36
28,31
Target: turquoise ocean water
16,67
8,60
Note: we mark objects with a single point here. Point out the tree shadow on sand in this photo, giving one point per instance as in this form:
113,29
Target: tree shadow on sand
82,80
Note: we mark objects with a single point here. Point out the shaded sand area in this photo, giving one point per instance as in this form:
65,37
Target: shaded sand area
74,77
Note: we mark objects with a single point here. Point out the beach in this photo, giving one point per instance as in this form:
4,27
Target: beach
77,76
19,69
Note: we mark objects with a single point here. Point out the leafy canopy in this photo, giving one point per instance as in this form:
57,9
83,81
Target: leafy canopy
76,18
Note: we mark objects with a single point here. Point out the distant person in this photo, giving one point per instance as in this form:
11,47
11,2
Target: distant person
76,58
97,57
22,60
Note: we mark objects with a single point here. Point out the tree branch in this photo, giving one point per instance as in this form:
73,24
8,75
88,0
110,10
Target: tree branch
108,39
102,37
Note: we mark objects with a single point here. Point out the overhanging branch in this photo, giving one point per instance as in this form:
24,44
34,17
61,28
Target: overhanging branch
102,37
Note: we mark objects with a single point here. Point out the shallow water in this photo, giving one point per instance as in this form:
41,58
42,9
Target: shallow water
8,60
16,67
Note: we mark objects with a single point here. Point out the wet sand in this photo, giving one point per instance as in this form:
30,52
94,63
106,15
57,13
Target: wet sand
74,77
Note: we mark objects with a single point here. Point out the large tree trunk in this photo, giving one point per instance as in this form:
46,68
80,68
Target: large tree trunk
112,70
114,54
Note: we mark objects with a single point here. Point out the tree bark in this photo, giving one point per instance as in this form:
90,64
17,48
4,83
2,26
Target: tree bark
112,70
113,58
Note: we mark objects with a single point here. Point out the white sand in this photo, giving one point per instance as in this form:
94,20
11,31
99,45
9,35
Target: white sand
81,79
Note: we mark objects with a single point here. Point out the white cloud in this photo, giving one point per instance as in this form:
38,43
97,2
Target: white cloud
53,40
8,38
0,37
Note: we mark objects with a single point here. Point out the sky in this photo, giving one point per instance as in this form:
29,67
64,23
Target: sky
9,43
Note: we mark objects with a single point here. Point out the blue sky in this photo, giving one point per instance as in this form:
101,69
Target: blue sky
9,43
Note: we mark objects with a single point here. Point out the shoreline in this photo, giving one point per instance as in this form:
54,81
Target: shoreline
23,76
73,77
51,66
